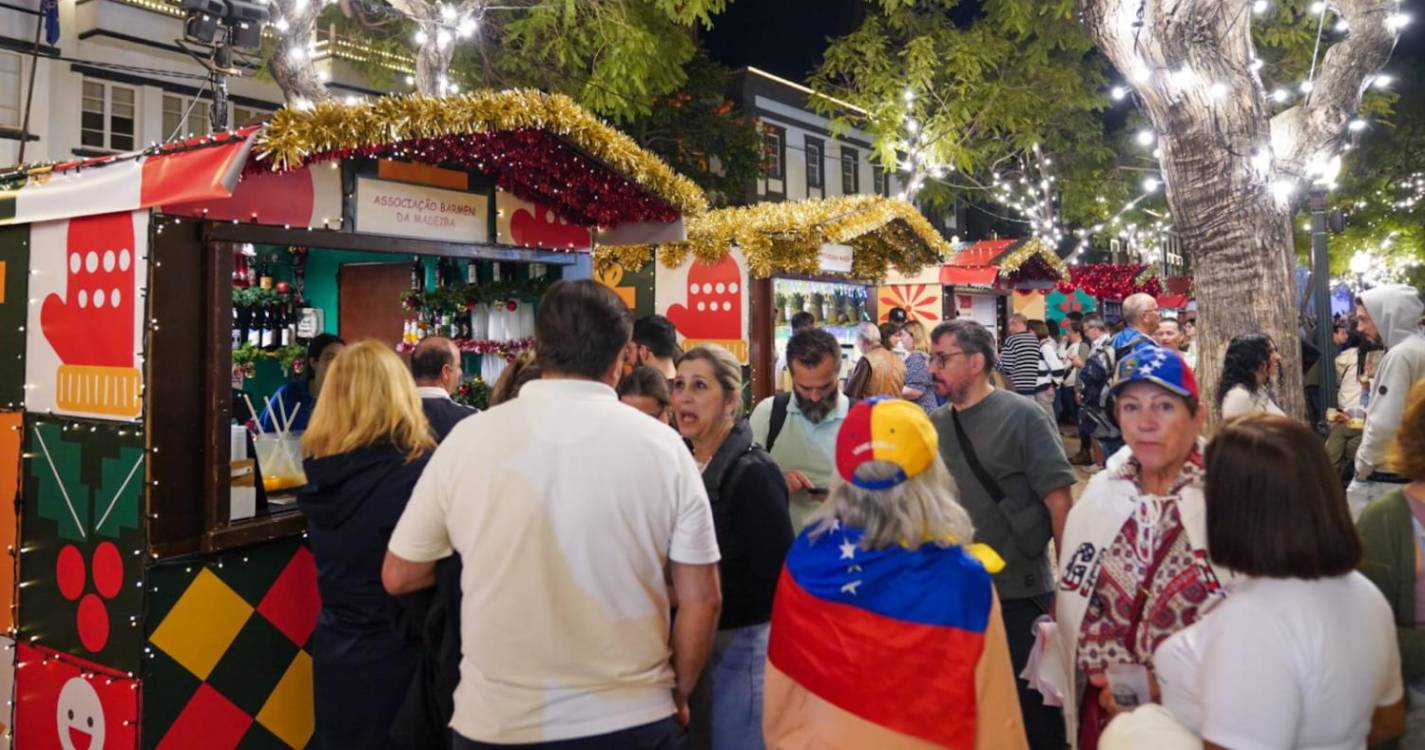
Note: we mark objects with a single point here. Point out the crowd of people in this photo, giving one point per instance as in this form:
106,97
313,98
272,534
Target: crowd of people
895,559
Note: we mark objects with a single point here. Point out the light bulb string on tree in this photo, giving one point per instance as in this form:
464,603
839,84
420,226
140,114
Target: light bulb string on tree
1283,175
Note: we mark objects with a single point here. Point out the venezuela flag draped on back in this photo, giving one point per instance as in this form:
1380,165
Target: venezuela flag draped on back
894,647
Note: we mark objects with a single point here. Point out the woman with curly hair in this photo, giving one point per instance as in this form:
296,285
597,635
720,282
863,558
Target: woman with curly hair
1252,363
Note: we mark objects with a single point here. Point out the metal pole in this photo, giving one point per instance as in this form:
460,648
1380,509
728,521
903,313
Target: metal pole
30,93
1321,288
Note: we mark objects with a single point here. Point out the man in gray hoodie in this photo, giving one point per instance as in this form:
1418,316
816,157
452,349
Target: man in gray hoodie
1390,315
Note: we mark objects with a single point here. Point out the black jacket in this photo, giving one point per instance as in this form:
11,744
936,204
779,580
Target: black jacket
442,413
362,668
754,527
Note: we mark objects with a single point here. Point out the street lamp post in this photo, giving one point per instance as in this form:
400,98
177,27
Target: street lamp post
1321,289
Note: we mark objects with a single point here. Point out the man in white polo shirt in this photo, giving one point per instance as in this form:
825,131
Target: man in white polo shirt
567,508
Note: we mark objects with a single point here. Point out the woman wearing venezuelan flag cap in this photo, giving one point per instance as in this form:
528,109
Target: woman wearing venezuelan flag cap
1134,567
886,632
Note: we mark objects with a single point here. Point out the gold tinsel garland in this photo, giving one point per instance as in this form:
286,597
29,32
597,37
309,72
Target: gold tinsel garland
297,135
786,237
1035,246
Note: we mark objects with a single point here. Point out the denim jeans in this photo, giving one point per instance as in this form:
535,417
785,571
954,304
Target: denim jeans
663,734
1362,493
727,705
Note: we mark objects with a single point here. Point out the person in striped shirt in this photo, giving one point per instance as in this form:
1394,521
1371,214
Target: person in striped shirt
1020,357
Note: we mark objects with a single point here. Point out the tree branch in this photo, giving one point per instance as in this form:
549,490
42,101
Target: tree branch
1317,126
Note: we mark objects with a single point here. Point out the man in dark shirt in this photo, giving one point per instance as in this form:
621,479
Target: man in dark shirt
1009,467
435,364
1021,356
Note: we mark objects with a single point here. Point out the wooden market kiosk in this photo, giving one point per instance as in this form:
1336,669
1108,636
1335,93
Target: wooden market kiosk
744,271
149,611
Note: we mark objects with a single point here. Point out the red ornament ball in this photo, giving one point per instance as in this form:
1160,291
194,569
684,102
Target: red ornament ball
283,287
511,305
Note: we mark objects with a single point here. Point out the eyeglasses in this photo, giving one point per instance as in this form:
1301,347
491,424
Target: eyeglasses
940,359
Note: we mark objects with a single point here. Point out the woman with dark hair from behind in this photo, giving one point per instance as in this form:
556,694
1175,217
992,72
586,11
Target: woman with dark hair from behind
1250,366
1302,653
646,389
1392,532
522,370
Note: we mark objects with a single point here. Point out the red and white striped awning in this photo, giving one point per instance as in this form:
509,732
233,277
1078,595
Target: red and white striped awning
197,169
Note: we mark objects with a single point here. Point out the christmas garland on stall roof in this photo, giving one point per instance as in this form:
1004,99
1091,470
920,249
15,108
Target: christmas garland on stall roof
786,237
296,137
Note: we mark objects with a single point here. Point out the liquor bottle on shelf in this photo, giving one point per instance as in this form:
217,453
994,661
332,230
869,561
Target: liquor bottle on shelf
418,275
264,274
495,271
472,273
287,330
269,327
239,270
447,325
239,321
254,326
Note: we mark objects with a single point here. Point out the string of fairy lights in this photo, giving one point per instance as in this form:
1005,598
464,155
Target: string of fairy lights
1029,190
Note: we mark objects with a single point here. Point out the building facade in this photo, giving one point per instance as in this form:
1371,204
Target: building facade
117,79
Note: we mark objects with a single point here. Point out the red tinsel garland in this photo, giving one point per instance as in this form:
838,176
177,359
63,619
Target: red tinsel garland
534,166
1110,281
507,349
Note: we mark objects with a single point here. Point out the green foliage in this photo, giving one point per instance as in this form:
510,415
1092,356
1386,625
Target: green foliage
701,134
994,80
1382,190
616,57
1021,72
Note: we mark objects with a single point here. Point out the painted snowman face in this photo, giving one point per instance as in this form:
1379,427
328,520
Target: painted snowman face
80,716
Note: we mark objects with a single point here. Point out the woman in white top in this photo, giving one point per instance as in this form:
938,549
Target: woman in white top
1251,365
1301,653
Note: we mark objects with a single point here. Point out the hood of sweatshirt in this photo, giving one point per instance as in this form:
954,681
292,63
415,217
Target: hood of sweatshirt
1396,310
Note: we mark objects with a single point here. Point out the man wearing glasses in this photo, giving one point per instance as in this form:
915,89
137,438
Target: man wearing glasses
1009,465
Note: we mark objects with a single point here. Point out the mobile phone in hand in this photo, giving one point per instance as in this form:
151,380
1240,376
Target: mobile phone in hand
818,491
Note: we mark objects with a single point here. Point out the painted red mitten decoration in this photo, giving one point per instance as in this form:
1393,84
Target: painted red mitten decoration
714,308
541,228
92,327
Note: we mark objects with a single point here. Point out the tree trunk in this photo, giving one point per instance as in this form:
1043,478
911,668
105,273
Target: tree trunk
432,61
291,61
1190,62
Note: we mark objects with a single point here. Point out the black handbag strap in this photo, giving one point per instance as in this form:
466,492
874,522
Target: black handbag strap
779,418
986,481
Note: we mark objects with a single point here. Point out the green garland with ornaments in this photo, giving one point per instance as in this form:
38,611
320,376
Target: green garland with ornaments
292,359
254,296
460,297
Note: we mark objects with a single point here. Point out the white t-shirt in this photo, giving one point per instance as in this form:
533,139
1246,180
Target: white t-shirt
1241,402
1285,663
565,506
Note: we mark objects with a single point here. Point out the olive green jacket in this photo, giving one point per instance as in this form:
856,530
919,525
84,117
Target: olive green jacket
1388,539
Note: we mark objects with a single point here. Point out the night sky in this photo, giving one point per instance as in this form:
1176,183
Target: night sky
784,37
787,37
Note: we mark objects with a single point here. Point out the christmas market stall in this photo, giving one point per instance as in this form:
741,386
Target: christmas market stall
743,272
1104,286
164,594
991,279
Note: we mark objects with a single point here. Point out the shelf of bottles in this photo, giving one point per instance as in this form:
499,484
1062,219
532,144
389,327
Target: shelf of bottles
837,308
268,308
492,319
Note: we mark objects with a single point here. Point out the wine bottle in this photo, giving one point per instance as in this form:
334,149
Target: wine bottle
264,274
269,327
472,273
238,335
418,275
284,326
495,271
254,326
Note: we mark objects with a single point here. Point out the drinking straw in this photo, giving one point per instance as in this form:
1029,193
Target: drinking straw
256,420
